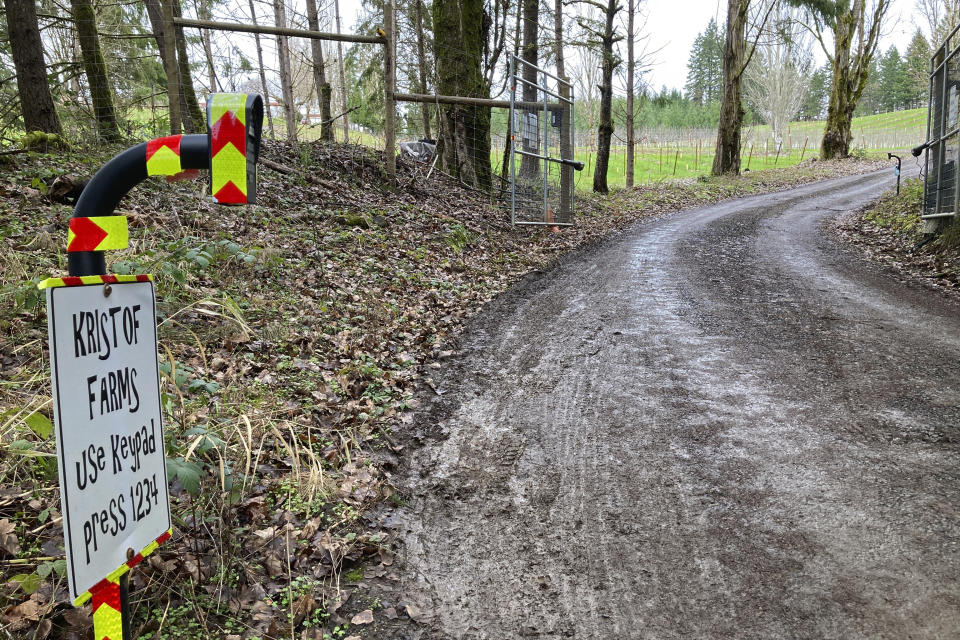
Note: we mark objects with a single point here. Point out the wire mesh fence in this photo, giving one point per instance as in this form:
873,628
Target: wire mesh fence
541,146
940,188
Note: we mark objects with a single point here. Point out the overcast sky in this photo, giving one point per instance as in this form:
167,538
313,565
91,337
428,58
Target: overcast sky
673,25
676,33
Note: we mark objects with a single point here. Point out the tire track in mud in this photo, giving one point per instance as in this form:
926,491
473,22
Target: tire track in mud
718,425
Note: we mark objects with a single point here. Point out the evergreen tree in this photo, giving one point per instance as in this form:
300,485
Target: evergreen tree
917,63
705,66
872,99
894,81
36,103
815,104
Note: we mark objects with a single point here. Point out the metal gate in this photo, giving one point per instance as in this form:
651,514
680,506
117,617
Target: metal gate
940,193
541,142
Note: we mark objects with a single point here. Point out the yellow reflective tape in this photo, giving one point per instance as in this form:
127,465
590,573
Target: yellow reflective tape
229,165
74,281
147,550
164,162
118,232
224,102
107,623
98,233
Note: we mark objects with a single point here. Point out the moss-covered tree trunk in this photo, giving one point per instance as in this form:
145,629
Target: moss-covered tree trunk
320,75
838,134
458,51
605,130
36,103
95,69
727,158
529,164
856,35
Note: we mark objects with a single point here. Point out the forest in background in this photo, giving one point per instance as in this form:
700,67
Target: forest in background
102,66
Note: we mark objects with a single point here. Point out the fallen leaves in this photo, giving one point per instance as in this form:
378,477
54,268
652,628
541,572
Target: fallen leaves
299,328
364,617
9,543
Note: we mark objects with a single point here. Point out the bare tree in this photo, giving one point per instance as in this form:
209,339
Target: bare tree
286,78
263,73
631,86
601,35
343,82
320,74
189,109
530,53
941,16
775,82
203,12
739,47
420,27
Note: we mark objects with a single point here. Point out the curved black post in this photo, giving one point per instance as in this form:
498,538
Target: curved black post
890,156
114,180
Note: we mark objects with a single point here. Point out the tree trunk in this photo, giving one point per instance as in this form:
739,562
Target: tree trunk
286,78
36,103
508,147
155,13
320,74
727,158
631,143
458,51
605,130
203,12
837,134
566,129
850,71
529,165
343,82
263,73
194,119
422,65
95,69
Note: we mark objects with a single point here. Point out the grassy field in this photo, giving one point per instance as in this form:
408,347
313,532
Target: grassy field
874,135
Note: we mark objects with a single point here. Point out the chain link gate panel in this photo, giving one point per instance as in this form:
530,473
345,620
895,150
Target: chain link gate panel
940,193
541,146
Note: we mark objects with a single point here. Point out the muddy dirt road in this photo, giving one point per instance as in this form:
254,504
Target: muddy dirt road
720,425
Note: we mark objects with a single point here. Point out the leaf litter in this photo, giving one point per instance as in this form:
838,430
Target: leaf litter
294,336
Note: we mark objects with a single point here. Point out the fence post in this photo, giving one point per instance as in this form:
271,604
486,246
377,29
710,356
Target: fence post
170,67
390,140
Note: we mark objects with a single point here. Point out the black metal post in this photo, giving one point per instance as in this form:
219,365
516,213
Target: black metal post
125,615
893,155
114,180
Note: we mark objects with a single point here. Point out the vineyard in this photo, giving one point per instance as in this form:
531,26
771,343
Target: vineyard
664,153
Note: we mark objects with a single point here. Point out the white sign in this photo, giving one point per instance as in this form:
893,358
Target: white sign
106,398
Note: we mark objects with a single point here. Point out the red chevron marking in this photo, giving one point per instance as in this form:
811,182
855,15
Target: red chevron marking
167,141
105,592
230,194
228,129
87,235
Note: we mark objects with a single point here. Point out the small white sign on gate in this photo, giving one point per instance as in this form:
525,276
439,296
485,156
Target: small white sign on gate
110,446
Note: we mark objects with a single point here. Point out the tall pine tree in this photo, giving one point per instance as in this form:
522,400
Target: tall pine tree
705,66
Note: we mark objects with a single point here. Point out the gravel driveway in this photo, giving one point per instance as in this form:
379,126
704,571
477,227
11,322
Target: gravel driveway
721,424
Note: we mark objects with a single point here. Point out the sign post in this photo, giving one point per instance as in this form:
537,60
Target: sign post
103,359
